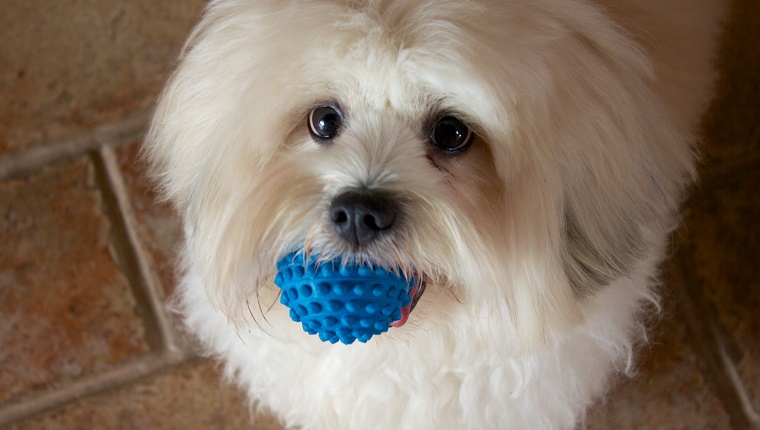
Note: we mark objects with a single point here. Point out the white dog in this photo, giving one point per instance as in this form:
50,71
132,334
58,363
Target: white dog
524,159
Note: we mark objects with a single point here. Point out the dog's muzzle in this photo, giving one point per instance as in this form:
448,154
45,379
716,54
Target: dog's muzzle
344,302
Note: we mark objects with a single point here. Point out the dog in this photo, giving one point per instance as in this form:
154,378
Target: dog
525,160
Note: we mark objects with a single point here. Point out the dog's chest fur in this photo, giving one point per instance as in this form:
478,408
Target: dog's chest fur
451,371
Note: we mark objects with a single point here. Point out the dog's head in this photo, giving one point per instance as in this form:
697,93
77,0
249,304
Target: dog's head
512,154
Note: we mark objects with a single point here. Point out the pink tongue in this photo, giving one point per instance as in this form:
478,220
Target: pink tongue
404,316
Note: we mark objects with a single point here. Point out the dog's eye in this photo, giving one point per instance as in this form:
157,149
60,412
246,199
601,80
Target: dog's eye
451,134
325,122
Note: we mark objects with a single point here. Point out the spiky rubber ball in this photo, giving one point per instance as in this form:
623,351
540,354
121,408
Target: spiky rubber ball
341,302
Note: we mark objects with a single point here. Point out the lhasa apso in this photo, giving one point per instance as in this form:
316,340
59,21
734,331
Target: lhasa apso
522,162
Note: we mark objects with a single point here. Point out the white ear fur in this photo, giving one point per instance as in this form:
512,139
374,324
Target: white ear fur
592,161
624,165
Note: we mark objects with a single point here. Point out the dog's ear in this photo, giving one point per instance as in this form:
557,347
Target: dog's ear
594,255
624,163
623,181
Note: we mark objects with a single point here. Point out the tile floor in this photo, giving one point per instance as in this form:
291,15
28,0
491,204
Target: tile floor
86,255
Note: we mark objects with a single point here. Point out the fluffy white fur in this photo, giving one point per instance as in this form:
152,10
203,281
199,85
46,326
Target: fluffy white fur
540,244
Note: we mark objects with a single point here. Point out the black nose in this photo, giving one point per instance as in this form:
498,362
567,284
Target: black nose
360,217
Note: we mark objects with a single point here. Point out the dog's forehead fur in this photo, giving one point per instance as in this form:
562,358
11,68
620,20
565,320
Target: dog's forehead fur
427,60
437,54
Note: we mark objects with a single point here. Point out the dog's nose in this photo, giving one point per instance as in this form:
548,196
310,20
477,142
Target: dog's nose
360,217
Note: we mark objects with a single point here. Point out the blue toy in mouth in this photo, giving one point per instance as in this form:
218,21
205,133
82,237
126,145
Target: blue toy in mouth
341,303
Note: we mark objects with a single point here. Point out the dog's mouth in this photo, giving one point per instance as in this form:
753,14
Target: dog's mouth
346,301
416,292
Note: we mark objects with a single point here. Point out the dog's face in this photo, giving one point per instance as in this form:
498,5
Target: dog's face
501,153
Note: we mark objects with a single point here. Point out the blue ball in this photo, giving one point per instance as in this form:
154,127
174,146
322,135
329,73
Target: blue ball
341,302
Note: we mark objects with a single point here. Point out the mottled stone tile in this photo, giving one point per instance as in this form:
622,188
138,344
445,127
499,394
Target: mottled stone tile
70,64
158,226
732,124
66,310
724,234
669,390
188,397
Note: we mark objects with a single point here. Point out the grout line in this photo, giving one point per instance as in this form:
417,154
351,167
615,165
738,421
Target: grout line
24,160
148,277
85,387
736,381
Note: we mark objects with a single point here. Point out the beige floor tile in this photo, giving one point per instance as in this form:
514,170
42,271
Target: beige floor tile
189,397
731,123
71,64
66,310
669,390
724,233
